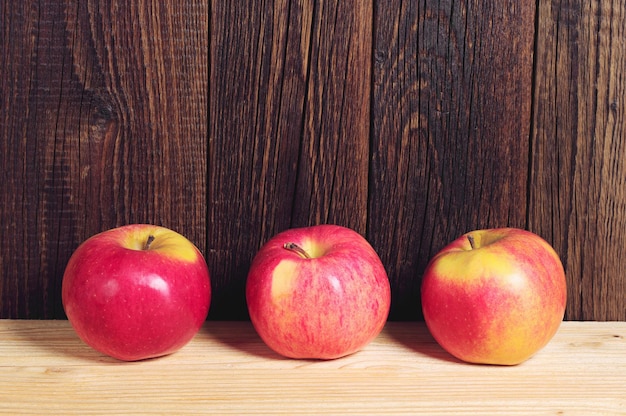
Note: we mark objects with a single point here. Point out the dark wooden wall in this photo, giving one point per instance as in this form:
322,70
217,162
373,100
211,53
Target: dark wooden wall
228,121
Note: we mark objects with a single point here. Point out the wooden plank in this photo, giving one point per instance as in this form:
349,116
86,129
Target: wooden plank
103,123
259,62
226,369
258,70
288,129
450,130
332,183
148,63
577,195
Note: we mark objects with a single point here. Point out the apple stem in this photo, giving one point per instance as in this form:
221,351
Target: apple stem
296,248
148,242
470,238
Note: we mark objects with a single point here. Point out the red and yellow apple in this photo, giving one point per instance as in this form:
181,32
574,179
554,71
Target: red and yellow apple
135,292
317,292
494,296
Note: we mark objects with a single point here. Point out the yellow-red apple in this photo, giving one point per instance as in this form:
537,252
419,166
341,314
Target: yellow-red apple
135,292
494,296
318,292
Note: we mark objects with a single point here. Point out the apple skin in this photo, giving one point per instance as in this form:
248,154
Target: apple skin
323,307
498,302
134,302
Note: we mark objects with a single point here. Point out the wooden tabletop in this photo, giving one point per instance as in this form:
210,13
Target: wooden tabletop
226,369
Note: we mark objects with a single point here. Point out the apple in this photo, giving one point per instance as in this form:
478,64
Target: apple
494,296
318,292
137,291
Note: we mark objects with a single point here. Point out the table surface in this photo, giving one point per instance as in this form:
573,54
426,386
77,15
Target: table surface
226,369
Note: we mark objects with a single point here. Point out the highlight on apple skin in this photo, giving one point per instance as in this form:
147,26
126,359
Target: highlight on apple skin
135,292
494,296
318,292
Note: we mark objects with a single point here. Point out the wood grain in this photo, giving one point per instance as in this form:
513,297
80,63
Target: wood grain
288,143
102,103
410,122
226,369
577,195
451,110
257,95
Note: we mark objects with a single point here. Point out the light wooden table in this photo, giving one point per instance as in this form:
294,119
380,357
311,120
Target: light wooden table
226,369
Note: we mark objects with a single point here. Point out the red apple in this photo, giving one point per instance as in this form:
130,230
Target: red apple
494,296
135,292
319,292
